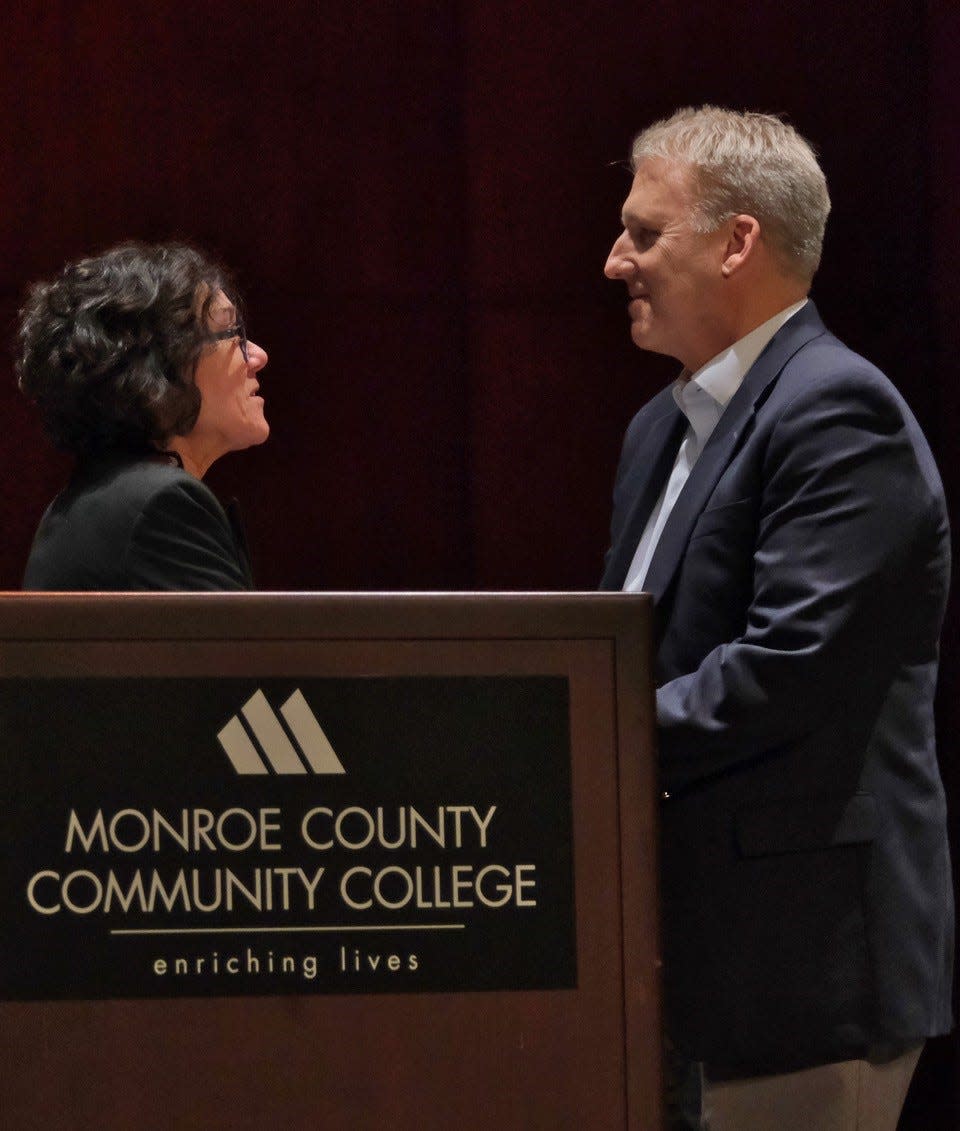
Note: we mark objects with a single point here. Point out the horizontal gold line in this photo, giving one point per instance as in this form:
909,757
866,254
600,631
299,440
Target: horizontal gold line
284,930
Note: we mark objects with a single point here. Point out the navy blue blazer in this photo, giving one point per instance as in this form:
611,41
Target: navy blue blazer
799,588
133,520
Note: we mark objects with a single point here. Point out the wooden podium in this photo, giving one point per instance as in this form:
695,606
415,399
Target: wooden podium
345,861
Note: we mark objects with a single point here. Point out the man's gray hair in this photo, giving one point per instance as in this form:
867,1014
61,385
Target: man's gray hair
747,163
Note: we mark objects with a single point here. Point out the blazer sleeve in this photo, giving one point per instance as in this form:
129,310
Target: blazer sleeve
850,572
183,540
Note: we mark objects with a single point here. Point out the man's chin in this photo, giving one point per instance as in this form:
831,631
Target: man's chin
643,337
645,340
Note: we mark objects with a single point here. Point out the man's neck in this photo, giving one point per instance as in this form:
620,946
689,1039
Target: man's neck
743,317
760,307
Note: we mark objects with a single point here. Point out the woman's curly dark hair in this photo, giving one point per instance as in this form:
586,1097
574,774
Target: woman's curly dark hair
108,350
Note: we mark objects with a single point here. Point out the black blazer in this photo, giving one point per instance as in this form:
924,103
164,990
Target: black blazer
136,521
799,589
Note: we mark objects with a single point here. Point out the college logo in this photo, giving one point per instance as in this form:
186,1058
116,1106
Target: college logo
280,753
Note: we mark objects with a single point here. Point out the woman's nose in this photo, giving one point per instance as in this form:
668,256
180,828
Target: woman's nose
257,356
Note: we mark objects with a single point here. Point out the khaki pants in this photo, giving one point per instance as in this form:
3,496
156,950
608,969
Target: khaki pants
852,1095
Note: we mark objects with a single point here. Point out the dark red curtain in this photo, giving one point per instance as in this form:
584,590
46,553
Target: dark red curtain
418,197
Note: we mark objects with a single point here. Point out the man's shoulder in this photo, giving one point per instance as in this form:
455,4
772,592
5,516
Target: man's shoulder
827,366
835,396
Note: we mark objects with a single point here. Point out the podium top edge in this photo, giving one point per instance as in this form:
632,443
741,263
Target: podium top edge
410,614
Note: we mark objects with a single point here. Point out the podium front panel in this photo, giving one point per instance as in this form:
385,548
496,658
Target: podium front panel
341,861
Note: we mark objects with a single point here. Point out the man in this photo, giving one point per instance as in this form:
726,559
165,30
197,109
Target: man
783,508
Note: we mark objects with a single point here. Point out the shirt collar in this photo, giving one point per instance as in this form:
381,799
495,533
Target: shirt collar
702,396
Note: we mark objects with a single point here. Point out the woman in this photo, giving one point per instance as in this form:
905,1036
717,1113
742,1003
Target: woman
138,362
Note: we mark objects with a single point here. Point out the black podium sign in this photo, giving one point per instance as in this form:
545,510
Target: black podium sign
213,836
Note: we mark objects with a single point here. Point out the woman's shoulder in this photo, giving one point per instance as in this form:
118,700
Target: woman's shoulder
119,486
132,475
134,522
137,496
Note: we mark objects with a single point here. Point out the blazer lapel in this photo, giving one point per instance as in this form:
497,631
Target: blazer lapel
643,484
722,445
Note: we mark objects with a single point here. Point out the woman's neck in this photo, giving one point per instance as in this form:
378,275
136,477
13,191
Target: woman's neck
193,461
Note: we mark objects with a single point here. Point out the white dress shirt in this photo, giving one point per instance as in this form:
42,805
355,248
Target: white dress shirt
701,397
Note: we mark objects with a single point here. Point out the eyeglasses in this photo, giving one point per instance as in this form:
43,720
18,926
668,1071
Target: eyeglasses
235,331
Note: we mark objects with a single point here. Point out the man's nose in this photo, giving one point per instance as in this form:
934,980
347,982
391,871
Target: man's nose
618,264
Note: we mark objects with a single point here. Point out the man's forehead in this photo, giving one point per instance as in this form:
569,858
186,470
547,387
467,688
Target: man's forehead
659,186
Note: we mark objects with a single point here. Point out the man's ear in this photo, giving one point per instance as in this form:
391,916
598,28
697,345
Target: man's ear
742,242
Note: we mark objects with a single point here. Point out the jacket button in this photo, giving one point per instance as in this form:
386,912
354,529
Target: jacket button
665,795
